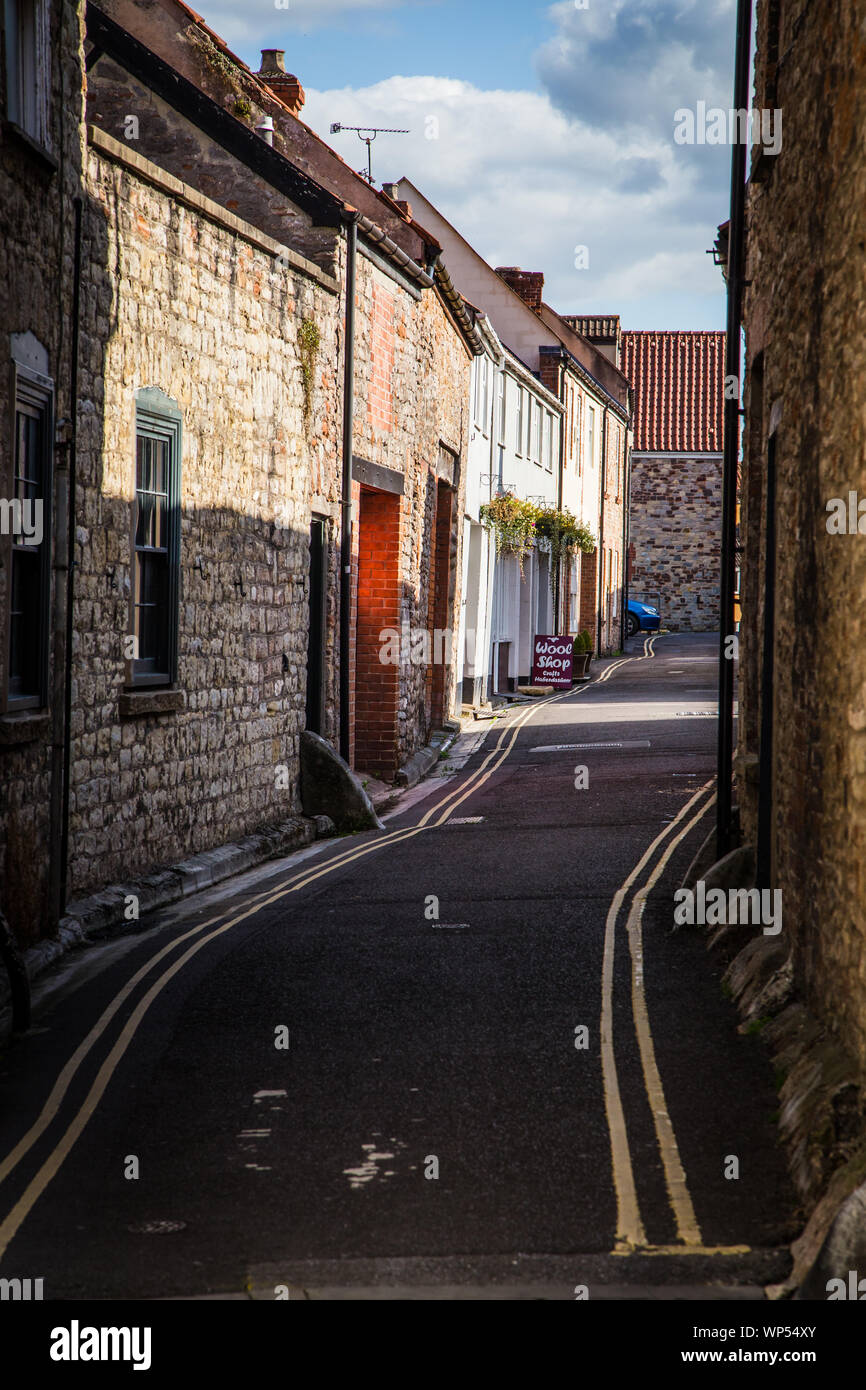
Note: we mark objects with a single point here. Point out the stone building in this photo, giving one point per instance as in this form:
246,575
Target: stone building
594,395
514,448
41,102
802,729
676,474
232,268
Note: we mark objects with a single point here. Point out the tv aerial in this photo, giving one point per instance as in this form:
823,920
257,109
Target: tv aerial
367,134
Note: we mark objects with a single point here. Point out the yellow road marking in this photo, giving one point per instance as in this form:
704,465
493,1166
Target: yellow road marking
675,1177
265,899
629,1226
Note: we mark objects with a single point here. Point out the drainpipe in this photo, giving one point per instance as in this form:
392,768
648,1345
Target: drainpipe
626,526
351,224
70,558
601,473
764,854
736,252
560,391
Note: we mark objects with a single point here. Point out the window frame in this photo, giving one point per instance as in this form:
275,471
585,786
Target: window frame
157,416
502,409
35,391
519,425
27,68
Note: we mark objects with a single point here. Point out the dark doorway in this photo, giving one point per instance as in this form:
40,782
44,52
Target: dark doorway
439,606
316,643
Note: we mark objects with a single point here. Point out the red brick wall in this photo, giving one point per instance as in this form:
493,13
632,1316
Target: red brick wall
353,620
439,608
529,284
377,686
380,398
549,374
587,607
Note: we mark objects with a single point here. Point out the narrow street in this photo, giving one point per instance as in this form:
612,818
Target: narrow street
415,1043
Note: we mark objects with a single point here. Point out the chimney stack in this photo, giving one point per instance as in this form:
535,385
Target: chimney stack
283,84
393,192
527,283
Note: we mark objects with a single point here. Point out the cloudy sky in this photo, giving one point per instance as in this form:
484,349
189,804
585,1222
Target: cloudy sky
537,129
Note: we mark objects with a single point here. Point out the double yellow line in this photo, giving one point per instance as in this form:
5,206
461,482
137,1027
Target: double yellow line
630,1232
436,816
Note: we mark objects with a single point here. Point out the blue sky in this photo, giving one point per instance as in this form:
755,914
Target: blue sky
536,128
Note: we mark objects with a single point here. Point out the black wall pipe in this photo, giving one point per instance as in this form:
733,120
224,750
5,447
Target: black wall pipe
559,621
765,763
70,559
736,251
601,575
346,502
626,523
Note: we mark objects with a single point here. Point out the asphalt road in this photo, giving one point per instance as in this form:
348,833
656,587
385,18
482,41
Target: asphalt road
418,1046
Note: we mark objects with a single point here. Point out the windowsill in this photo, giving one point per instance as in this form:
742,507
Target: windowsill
33,147
26,727
134,703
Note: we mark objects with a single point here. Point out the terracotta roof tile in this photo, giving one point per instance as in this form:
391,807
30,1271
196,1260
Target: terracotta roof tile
595,326
678,382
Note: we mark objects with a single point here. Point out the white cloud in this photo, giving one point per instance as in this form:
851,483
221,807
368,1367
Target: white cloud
258,21
526,183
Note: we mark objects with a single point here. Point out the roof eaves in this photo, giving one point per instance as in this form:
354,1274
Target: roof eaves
456,303
562,351
324,207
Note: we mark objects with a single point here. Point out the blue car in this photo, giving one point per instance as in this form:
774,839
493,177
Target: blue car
641,616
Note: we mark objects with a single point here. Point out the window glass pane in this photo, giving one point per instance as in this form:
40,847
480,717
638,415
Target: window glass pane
28,591
151,610
151,530
153,620
29,454
25,626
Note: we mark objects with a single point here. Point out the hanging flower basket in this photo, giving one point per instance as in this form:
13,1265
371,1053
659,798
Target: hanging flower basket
513,524
565,534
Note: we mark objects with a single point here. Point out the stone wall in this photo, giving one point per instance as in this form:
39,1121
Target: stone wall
179,301
805,320
675,537
37,193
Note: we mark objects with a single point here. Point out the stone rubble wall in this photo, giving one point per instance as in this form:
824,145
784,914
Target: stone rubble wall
805,322
675,538
179,303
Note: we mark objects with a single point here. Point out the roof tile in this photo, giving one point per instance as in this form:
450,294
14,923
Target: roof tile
678,382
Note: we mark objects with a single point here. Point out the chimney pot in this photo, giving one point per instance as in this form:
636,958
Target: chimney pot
272,62
283,84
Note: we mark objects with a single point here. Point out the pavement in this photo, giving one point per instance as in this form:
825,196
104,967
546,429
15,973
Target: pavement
463,1058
